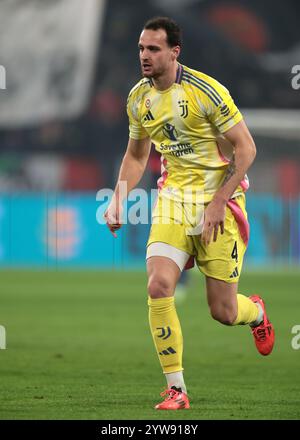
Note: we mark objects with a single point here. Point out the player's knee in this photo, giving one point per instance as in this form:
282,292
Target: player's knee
159,287
225,315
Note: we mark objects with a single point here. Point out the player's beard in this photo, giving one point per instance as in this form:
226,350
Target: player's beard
153,73
146,75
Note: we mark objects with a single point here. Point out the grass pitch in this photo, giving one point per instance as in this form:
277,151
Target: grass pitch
79,347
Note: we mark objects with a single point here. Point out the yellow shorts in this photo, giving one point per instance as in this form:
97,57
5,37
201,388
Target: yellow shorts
222,259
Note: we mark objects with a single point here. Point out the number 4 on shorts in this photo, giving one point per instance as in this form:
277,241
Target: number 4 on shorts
234,253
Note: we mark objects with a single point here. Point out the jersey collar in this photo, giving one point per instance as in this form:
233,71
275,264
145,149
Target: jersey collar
179,74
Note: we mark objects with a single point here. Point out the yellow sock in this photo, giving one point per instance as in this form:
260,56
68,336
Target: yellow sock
247,310
166,333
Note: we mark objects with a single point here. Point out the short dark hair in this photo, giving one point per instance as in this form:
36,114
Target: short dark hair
172,29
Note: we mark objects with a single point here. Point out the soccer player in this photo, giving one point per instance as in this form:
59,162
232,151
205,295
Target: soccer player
200,212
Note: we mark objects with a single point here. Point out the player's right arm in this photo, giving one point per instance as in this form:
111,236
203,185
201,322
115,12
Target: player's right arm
131,171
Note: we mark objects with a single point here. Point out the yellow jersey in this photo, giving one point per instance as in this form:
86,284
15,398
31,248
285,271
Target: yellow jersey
183,123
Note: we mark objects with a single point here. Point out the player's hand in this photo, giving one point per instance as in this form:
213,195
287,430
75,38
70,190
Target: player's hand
113,217
214,217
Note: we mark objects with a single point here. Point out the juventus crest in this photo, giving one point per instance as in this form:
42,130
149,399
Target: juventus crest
183,104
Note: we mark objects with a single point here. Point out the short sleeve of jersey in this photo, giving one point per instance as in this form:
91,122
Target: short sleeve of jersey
222,111
136,130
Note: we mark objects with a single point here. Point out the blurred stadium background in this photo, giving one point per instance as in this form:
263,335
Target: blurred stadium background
67,67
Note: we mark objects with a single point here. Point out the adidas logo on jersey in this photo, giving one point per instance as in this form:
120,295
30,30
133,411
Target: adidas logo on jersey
149,116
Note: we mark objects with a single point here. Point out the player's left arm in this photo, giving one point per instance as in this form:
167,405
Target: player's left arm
244,154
